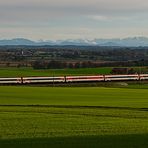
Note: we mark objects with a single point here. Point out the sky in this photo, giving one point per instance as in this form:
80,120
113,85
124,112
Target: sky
73,19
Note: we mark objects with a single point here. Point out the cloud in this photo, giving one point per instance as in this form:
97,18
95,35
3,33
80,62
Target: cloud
58,15
109,18
98,17
19,9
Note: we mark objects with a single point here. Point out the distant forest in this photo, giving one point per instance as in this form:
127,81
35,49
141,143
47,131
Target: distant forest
53,57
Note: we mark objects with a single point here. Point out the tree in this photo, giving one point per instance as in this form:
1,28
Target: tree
39,64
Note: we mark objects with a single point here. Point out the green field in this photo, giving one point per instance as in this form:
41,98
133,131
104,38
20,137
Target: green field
42,117
22,72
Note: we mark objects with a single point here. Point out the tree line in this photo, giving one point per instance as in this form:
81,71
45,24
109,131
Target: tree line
53,64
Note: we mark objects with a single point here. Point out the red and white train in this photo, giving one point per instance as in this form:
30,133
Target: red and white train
67,79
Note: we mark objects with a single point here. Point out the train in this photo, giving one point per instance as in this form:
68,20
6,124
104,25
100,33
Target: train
72,79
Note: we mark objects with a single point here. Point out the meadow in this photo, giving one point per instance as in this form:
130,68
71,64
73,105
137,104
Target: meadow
23,72
73,117
28,71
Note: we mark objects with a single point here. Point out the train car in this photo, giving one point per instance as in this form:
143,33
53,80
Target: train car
121,77
84,78
10,80
43,79
143,76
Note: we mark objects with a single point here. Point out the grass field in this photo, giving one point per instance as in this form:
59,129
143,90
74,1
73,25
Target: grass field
40,117
22,72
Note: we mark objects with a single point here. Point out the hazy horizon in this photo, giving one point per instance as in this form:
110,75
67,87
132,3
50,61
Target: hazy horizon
42,40
73,19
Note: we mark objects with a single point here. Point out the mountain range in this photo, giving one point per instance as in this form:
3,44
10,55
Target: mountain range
127,42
